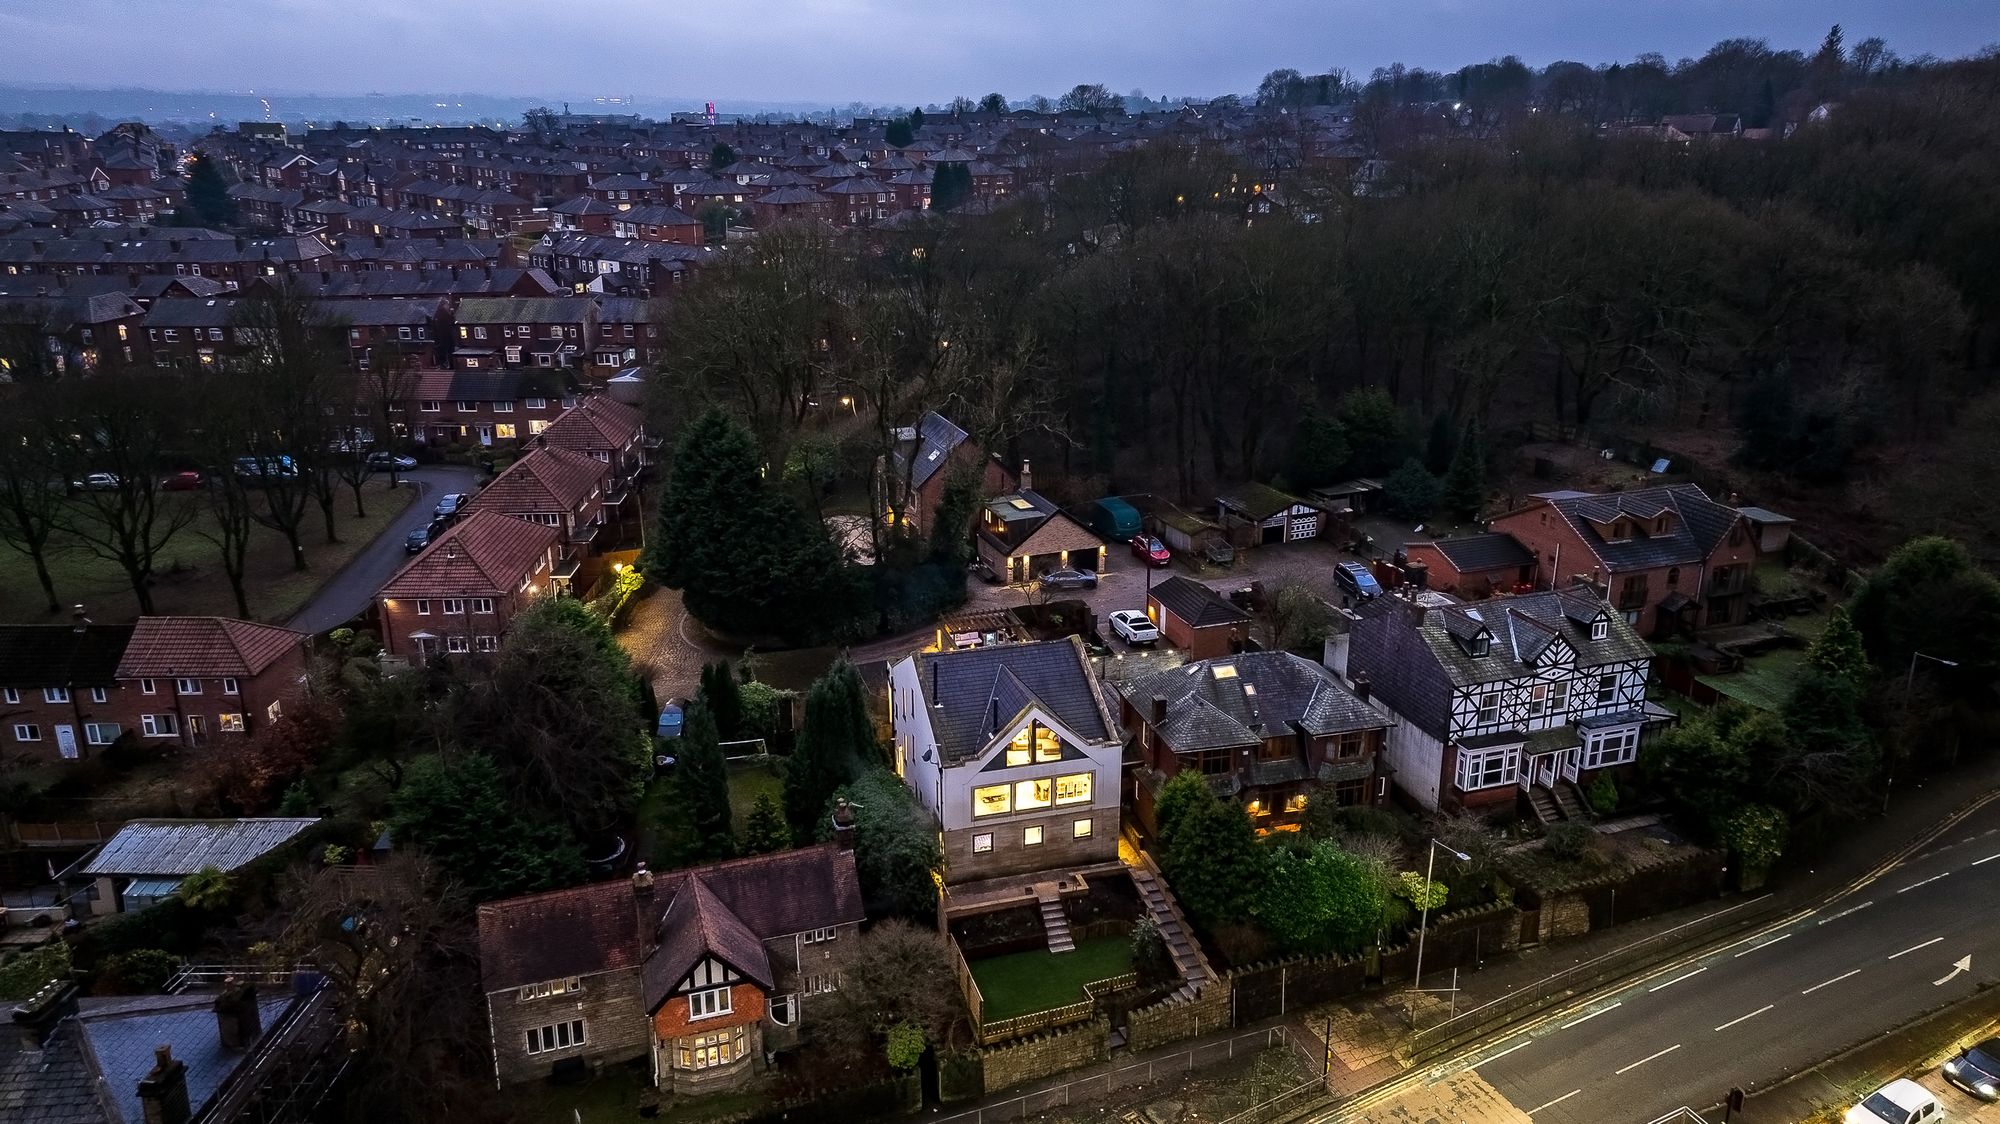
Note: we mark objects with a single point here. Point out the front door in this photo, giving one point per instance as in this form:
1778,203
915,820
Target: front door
486,435
1571,759
1545,769
66,742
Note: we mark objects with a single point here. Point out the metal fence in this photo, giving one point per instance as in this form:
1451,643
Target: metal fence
1106,1082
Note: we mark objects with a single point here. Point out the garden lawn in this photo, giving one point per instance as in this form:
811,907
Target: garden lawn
1765,681
1022,983
749,781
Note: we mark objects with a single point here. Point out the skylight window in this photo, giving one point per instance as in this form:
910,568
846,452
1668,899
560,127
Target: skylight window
1019,504
1226,671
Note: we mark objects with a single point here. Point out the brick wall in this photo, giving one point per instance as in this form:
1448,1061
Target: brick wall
746,1007
1045,1054
611,1004
1171,1020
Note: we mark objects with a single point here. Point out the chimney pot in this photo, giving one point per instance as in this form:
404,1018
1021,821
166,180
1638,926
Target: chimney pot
642,881
1159,709
843,823
1027,475
238,1023
35,1019
163,1095
1362,688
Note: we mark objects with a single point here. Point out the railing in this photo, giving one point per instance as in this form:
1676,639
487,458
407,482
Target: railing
1021,1026
1098,989
286,1078
212,975
1034,1103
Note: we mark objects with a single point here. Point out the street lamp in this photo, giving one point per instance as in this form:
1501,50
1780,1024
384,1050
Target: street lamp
1909,685
1423,925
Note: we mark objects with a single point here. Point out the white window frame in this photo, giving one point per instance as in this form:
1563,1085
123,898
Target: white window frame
784,1009
99,694
94,733
1502,763
453,606
159,725
1607,688
821,985
821,936
275,711
982,843
457,645
423,606
230,686
146,686
27,732
1486,707
1599,628
187,686
55,694
709,1003
546,988
566,1035
11,695
1611,748
486,643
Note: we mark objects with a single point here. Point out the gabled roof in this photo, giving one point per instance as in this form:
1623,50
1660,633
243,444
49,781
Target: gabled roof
182,847
1698,524
696,925
573,932
969,692
937,439
524,310
1197,604
595,422
763,896
486,553
55,655
657,215
547,480
1487,551
203,648
1522,628
1245,698
1260,501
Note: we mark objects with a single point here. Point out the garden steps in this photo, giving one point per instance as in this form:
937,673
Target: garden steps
1571,802
1544,806
1160,906
1054,923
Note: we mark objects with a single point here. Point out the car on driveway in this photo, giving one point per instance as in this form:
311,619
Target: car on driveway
96,482
1134,627
451,505
1977,1070
417,540
189,481
385,462
1901,1101
1151,551
1355,580
1069,579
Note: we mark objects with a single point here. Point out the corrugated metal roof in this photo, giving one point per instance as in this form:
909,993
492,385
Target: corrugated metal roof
169,847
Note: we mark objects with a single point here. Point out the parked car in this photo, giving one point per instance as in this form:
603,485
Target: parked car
1134,627
1901,1101
382,461
1977,1070
96,482
1069,579
189,481
451,505
266,467
672,717
1151,551
1356,581
417,540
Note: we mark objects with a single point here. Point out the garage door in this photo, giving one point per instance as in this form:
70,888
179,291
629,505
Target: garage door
1302,527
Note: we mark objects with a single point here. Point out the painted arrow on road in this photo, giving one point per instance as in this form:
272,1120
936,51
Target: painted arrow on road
1964,965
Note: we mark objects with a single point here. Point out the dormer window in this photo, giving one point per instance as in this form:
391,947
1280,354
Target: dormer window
1600,628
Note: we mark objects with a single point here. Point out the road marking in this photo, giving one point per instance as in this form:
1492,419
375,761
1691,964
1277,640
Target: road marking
1690,975
1772,941
1915,947
1848,910
1987,859
1746,1018
1589,1017
1925,882
1963,964
1501,1054
1647,1058
1553,1103
1834,980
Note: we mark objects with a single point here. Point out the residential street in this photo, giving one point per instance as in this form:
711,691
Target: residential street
1772,1003
349,591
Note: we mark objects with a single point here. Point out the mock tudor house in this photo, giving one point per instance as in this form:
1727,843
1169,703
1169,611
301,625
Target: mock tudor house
1669,558
1269,729
459,594
1518,700
1194,617
191,680
702,971
1012,749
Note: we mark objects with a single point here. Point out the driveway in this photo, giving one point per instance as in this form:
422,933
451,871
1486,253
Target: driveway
348,592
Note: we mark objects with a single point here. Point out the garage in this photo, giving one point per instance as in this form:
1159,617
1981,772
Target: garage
1302,526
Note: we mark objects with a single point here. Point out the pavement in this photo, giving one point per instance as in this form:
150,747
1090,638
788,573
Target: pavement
667,643
348,593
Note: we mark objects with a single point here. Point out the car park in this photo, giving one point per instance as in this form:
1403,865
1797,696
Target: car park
1069,579
263,468
1977,1070
451,506
1355,581
1151,551
390,462
1901,1101
1134,627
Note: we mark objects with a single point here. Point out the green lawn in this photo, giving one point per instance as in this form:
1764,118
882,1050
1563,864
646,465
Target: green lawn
1022,983
748,781
668,844
618,1094
1765,681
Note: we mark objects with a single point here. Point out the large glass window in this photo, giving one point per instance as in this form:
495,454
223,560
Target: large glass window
1073,789
1616,747
992,800
1030,795
1037,744
1487,768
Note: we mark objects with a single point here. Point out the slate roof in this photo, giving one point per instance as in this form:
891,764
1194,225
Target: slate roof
193,312
119,1036
1489,551
182,847
962,689
1197,604
547,480
782,893
1699,526
53,1085
573,932
203,648
695,925
936,439
657,215
484,554
524,310
1268,694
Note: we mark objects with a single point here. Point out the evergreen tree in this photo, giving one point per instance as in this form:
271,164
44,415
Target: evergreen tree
765,829
1211,855
1442,444
1465,484
701,785
1319,451
1411,492
993,103
723,697
951,185
896,849
1837,650
207,194
1319,900
951,524
836,742
1376,431
458,813
720,157
898,133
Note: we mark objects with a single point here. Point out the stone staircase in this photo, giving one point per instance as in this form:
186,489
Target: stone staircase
1571,802
1174,929
1559,803
1055,924
1544,806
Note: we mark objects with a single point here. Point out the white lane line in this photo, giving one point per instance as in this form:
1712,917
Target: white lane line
1987,859
1834,980
1746,1018
1501,1054
1915,947
1769,943
1848,910
1925,882
1647,1058
1590,1016
1677,979
1553,1103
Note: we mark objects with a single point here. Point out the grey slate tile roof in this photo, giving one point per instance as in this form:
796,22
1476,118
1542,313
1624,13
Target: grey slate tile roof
1271,693
1488,551
52,1085
1699,525
1197,604
186,846
937,437
963,688
119,1036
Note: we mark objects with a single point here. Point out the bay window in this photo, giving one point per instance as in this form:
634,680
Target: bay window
1487,768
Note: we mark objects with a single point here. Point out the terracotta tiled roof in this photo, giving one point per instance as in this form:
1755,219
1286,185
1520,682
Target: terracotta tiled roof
564,933
203,647
595,423
486,553
551,480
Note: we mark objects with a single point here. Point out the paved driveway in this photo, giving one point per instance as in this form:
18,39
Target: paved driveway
343,597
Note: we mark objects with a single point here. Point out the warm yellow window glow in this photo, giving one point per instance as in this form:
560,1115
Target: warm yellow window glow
1226,671
991,800
1296,803
1029,795
1036,743
1073,789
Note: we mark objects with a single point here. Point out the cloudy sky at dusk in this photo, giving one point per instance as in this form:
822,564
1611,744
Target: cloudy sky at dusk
882,51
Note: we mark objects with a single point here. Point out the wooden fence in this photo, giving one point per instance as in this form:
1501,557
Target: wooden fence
72,833
967,986
1035,1022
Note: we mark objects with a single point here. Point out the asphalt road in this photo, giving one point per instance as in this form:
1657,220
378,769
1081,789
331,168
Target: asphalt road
1773,1003
348,592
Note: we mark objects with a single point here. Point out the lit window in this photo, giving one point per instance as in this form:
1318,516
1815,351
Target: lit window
982,843
1295,802
1029,795
230,723
1081,829
991,800
1044,744
1032,837
275,711
1073,789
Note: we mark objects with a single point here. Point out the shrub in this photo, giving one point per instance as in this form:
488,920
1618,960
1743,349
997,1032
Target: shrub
1570,841
1151,960
142,971
906,1045
23,974
1603,795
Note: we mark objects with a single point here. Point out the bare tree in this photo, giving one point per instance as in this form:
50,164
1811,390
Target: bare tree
122,428
295,376
31,491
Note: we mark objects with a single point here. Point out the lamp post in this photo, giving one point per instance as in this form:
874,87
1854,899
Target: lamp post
1909,685
1423,925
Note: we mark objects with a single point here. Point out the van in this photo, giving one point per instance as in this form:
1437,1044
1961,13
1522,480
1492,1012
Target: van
1114,519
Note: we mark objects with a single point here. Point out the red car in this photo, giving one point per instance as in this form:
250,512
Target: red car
181,482
1150,550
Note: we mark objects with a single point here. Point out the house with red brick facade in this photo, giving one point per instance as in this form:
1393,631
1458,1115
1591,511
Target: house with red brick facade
1670,559
60,699
704,972
524,331
563,489
657,222
922,461
1474,567
1194,617
193,680
457,596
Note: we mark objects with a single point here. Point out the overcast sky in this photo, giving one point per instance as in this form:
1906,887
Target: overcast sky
886,51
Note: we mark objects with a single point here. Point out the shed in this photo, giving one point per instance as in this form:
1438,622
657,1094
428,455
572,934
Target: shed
1774,531
1257,514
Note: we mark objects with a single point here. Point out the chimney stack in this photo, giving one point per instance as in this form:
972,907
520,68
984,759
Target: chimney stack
1159,709
843,824
78,620
36,1019
1027,476
237,1020
1362,688
163,1093
642,881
